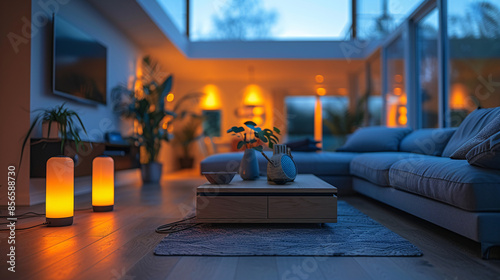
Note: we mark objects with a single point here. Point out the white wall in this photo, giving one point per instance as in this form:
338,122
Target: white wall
123,56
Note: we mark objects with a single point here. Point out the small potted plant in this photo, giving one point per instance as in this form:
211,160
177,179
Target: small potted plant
60,123
253,138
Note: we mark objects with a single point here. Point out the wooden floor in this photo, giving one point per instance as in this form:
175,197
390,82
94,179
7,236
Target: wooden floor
119,245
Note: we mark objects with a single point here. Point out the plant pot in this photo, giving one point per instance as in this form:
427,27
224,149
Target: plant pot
186,162
151,172
54,130
249,166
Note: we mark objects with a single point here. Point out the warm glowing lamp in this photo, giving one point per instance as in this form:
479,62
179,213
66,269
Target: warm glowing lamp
103,184
321,91
60,201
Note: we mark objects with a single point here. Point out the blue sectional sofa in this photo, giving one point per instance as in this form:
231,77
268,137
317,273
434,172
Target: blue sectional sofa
450,177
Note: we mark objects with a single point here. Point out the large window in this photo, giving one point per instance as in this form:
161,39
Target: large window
396,97
474,51
176,10
300,117
427,65
269,20
378,18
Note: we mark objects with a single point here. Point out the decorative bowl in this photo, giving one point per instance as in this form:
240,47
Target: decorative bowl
219,178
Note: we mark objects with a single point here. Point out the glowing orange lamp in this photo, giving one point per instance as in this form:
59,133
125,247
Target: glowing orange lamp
103,184
60,198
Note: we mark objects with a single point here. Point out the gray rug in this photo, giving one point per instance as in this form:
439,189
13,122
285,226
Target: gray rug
355,234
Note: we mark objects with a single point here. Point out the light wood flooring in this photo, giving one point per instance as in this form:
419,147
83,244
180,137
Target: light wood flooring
119,245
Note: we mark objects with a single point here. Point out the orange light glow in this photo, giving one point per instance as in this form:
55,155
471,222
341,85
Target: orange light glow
103,184
253,95
319,79
403,99
402,110
59,191
321,91
257,111
458,96
258,120
170,97
318,121
211,99
402,120
398,78
397,91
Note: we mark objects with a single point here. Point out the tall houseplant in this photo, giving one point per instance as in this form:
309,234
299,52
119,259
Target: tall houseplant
253,138
185,136
147,107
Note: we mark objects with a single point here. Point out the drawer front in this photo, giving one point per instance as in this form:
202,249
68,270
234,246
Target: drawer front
303,207
227,207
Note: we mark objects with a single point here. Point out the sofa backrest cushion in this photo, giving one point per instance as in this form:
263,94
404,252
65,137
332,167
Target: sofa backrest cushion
375,139
469,128
487,153
427,141
485,133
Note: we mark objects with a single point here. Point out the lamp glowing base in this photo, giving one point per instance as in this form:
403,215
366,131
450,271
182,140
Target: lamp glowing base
103,208
59,222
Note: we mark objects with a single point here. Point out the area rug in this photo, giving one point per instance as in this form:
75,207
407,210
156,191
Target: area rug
355,234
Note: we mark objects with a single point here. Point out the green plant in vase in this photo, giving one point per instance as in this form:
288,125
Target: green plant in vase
253,138
65,122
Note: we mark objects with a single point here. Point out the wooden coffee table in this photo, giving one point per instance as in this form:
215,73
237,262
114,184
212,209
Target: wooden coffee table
306,200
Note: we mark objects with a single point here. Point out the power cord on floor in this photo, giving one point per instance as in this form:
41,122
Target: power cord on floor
177,226
34,214
8,229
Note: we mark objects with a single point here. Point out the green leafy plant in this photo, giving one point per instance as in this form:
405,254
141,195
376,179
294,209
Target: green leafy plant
188,133
346,122
147,106
254,137
68,121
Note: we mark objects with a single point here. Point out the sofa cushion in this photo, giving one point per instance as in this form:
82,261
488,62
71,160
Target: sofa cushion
450,181
427,141
487,153
487,131
323,163
375,139
374,167
303,145
469,128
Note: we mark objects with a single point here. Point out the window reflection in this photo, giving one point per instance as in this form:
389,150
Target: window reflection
396,98
427,62
474,50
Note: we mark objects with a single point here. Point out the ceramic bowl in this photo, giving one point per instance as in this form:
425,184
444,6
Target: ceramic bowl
219,178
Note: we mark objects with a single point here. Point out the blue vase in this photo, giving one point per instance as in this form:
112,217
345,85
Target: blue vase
249,166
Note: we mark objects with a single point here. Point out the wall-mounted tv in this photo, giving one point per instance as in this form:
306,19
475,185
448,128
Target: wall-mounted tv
79,64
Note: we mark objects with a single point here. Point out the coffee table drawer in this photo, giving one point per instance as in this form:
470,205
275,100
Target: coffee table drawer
302,207
228,207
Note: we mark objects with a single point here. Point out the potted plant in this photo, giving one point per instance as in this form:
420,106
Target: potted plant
253,138
64,122
147,107
185,136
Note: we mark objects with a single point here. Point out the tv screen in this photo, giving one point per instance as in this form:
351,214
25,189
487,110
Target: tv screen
79,65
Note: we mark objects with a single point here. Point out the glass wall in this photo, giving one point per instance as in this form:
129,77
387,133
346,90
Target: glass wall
427,65
300,116
378,18
375,100
269,20
395,97
337,122
176,10
474,52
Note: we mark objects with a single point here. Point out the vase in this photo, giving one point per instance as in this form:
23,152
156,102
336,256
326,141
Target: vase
249,166
151,172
